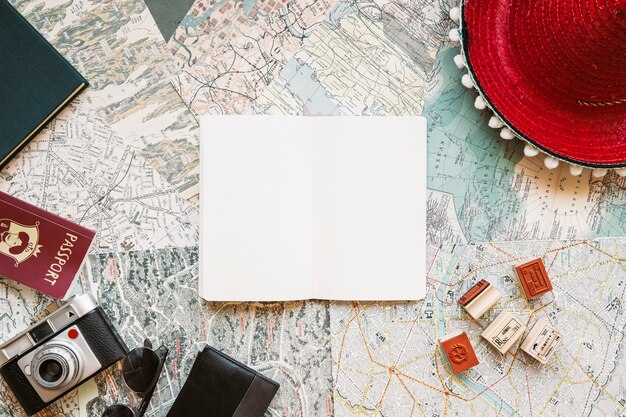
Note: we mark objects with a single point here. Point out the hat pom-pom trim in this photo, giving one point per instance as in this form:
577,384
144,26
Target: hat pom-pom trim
506,132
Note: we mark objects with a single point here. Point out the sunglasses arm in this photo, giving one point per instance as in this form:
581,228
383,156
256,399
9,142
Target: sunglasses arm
145,402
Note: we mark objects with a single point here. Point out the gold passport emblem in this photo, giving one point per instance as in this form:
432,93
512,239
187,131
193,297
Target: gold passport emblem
18,241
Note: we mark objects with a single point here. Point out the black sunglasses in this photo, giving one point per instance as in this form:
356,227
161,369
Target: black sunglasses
141,369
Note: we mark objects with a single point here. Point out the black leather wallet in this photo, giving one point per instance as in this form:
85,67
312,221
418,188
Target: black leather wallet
219,386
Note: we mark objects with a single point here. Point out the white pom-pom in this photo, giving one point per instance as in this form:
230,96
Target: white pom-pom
506,133
459,61
621,172
495,123
550,162
599,172
466,80
455,35
455,14
575,170
480,103
530,151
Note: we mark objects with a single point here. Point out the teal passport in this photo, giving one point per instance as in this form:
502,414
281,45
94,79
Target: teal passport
36,82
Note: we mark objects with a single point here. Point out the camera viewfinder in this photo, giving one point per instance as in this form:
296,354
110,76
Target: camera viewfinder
41,332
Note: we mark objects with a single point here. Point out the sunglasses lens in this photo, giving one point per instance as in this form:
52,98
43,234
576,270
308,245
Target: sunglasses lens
118,410
140,368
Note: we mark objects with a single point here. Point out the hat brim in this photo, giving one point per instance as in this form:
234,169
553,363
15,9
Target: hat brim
583,134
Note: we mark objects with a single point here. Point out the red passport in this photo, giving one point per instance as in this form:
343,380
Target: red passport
40,249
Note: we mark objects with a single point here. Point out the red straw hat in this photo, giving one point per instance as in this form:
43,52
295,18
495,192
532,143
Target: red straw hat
554,74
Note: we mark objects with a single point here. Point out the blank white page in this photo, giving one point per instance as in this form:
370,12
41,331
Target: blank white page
369,208
255,239
301,207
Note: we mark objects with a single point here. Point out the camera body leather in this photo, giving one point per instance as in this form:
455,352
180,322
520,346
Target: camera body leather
101,337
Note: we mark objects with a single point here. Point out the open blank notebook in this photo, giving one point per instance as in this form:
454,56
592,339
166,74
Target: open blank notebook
312,207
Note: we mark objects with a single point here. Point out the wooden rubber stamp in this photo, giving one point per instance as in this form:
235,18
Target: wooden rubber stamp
534,278
459,352
504,331
541,341
480,298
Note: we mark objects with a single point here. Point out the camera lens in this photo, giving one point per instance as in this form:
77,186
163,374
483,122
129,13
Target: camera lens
55,366
50,370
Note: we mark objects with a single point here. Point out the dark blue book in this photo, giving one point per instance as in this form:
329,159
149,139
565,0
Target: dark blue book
36,82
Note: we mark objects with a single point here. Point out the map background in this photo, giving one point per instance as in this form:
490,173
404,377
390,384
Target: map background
337,57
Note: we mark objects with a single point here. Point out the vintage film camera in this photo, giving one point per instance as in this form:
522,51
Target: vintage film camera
59,353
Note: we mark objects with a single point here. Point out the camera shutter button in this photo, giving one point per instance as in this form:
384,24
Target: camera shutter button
27,369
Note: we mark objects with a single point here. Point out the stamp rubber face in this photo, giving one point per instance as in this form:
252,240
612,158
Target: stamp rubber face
541,341
460,353
534,278
474,292
504,331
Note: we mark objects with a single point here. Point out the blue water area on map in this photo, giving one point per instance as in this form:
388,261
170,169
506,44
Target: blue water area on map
193,22
247,5
465,157
615,221
302,82
341,10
